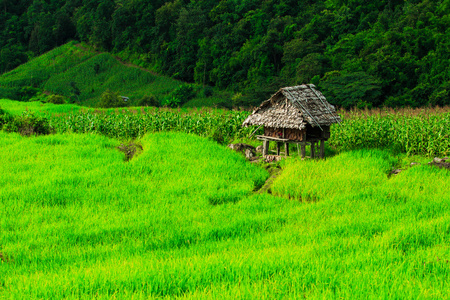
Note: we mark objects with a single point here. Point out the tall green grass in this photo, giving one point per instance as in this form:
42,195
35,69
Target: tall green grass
180,221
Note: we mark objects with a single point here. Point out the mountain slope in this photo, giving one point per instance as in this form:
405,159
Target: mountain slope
82,75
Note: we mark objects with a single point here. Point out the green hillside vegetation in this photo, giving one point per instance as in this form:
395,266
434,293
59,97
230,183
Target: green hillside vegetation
82,76
181,220
384,53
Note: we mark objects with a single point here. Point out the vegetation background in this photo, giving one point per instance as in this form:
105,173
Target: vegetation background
365,54
185,217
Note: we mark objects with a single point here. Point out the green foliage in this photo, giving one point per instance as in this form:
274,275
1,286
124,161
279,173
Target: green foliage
81,83
368,168
38,108
27,92
208,91
391,53
352,90
222,126
5,117
37,71
10,92
171,101
56,99
111,99
183,94
412,131
239,100
217,136
65,168
27,124
148,101
96,68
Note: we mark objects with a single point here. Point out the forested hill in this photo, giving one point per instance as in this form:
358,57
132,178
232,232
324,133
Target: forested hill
364,53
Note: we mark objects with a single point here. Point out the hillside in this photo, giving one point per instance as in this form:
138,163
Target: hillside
82,75
382,53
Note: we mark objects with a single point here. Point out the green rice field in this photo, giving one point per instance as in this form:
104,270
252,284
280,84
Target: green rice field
184,219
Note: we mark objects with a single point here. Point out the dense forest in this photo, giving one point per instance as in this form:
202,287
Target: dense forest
359,53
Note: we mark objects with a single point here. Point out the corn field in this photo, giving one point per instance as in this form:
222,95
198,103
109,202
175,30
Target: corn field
135,123
424,131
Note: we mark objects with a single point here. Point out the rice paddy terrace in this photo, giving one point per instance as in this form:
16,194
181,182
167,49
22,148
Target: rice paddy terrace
181,218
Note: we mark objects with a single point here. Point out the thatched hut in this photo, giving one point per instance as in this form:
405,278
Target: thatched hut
298,114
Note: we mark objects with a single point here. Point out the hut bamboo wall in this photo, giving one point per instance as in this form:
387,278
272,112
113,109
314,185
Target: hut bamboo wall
287,133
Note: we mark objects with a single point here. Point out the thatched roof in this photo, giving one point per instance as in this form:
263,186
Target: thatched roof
294,107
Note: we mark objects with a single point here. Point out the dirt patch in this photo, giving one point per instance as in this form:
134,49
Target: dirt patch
272,158
3,257
130,150
274,172
441,163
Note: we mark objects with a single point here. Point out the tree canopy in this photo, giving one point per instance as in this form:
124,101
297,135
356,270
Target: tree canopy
359,53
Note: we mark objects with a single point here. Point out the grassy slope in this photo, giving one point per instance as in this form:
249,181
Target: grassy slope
60,69
181,220
37,107
37,71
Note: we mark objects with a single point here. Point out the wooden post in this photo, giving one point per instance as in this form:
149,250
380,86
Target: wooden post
313,150
278,148
322,148
286,149
303,150
265,147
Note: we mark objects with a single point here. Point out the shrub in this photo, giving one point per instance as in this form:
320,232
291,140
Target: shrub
5,117
183,93
171,101
10,92
239,100
28,124
208,91
217,135
56,99
148,101
111,99
27,92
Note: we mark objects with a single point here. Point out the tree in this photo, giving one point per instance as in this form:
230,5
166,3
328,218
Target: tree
64,29
101,31
189,27
351,89
11,56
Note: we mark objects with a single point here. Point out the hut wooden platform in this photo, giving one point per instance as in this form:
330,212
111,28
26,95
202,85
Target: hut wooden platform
298,114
